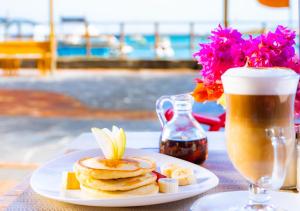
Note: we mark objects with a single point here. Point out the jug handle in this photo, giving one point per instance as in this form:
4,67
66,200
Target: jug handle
160,110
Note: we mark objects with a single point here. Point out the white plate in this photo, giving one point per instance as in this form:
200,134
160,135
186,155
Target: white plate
46,181
236,199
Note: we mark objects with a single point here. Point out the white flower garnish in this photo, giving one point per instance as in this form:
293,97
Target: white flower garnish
112,143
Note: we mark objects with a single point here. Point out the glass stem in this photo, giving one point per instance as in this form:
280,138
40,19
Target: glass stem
258,196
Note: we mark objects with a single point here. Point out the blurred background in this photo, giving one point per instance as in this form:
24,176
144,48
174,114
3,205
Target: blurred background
68,66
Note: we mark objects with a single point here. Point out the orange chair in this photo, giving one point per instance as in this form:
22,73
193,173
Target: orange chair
12,52
213,123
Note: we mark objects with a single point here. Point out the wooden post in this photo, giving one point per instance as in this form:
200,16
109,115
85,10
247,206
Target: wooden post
87,39
122,40
5,30
19,30
225,13
52,39
290,15
6,27
156,37
192,36
263,27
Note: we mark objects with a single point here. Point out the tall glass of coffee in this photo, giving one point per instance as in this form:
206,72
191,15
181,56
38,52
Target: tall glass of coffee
260,127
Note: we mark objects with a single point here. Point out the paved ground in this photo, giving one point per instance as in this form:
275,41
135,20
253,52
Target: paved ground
40,115
45,104
38,139
112,90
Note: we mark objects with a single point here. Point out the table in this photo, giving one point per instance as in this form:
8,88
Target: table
23,198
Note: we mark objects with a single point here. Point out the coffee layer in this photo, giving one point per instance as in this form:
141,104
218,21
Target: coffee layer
248,117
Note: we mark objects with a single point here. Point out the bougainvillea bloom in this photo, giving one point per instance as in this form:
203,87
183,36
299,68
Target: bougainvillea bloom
224,51
228,49
271,49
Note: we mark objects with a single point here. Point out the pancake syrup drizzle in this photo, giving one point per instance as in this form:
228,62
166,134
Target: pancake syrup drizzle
194,151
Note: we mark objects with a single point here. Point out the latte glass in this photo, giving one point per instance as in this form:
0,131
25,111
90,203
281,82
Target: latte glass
260,127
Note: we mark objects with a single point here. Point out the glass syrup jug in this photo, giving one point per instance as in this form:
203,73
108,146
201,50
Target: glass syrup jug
182,137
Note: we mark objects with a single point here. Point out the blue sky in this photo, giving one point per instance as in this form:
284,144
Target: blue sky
150,10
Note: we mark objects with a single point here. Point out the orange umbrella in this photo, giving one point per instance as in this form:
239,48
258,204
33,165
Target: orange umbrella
275,3
270,3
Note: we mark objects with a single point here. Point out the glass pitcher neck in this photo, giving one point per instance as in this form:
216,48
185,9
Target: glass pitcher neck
182,103
182,107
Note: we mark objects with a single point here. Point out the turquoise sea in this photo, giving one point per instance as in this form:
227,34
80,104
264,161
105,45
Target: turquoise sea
142,47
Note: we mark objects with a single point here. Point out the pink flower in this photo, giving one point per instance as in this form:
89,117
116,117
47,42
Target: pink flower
223,52
228,49
271,49
294,64
297,102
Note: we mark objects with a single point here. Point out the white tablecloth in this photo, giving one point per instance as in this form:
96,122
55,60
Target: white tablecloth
216,141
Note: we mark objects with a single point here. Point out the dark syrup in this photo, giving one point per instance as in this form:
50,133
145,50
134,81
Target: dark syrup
194,151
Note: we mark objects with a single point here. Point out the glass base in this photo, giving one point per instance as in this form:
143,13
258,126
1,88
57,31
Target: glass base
260,207
238,200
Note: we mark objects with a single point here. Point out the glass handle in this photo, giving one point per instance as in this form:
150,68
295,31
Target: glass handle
259,195
280,157
160,110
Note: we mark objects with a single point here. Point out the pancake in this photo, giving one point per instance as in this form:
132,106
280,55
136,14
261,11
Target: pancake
100,168
149,189
122,184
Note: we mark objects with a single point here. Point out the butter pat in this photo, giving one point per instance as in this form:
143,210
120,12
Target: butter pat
69,181
168,169
168,185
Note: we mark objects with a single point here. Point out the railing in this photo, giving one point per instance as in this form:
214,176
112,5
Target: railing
122,32
122,29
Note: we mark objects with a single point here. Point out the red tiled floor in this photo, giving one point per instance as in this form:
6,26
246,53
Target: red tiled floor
48,104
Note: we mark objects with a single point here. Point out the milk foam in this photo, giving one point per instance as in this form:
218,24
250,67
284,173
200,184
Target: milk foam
260,81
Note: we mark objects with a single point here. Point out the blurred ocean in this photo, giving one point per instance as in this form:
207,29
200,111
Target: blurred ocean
141,47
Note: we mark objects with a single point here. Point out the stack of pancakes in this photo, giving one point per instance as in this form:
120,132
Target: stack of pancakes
104,178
